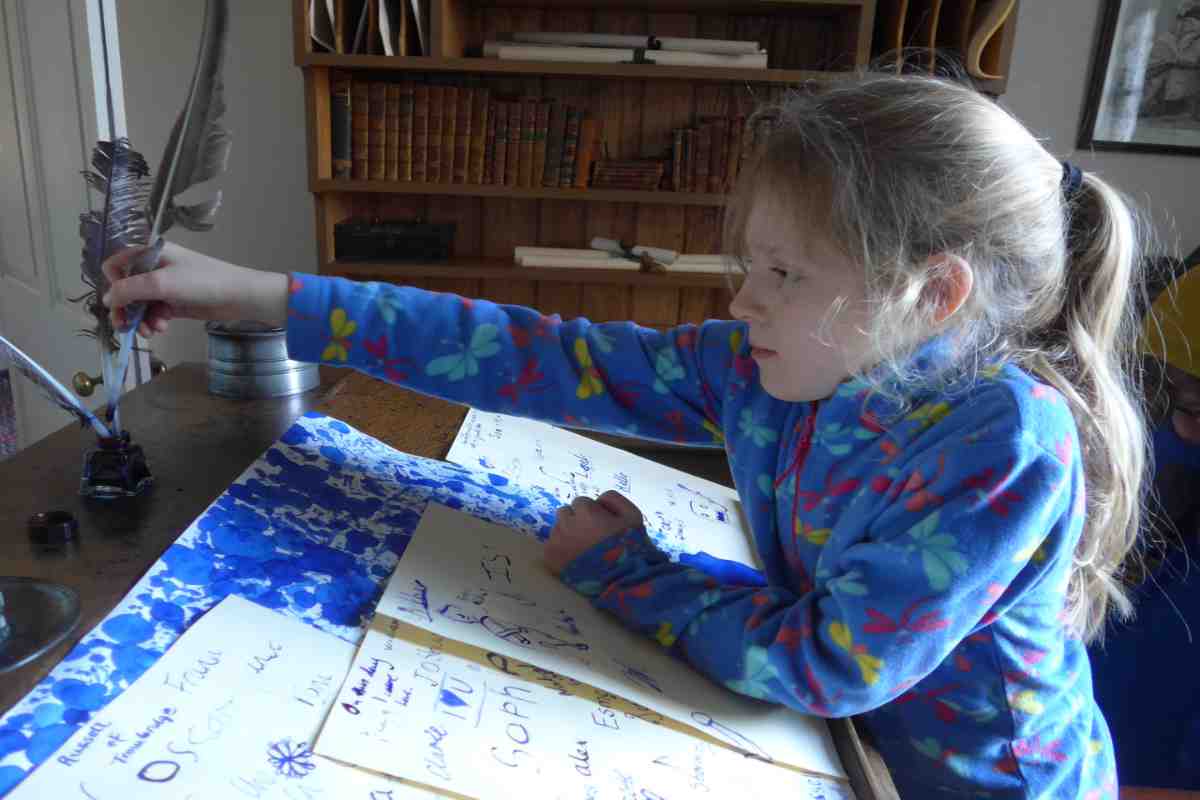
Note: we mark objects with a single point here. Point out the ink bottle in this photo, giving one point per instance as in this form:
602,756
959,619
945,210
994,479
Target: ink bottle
115,468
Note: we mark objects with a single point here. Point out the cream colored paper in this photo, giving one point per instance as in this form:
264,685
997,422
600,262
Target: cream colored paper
483,725
485,585
229,711
683,513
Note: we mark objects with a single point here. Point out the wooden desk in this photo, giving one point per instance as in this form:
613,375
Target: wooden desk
196,444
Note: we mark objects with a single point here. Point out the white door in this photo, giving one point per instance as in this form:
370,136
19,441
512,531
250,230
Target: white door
49,118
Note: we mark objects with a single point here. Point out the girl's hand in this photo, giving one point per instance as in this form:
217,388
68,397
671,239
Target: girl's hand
191,285
585,523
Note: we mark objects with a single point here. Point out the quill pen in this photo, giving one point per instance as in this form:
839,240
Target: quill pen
118,173
54,390
197,151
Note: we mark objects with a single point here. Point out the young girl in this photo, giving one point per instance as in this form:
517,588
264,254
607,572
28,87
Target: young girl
922,401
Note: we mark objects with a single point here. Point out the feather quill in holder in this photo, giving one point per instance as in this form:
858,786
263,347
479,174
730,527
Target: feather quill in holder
55,391
119,173
197,151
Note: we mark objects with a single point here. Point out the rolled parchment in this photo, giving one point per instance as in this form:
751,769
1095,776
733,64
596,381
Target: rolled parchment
659,254
507,51
725,47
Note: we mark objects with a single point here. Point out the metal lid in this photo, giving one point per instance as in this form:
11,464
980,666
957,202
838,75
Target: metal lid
243,327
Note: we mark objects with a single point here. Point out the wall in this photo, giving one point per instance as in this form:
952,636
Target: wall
1050,73
266,219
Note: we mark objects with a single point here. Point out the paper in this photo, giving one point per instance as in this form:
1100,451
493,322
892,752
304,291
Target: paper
386,9
481,724
714,46
421,20
683,514
231,710
321,23
485,585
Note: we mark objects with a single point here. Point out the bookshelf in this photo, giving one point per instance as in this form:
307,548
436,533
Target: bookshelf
637,107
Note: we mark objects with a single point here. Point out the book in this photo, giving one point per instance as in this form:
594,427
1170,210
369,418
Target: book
437,102
500,164
512,166
420,133
479,132
462,134
737,129
391,141
541,132
570,148
702,158
489,146
555,132
686,180
360,128
587,150
716,163
529,107
377,123
449,132
749,143
677,159
404,147
341,125
642,175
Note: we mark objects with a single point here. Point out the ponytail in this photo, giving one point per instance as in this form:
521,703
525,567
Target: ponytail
1089,353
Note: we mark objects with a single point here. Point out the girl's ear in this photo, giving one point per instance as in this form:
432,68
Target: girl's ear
950,283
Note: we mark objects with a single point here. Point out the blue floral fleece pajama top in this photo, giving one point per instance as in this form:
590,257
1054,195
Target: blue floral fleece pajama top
915,562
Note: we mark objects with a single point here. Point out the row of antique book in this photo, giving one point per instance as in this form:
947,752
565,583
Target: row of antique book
452,134
412,131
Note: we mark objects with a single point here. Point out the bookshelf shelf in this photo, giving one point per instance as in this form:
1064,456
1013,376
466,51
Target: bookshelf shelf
520,192
494,66
502,269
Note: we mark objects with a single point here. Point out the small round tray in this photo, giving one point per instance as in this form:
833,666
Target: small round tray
40,615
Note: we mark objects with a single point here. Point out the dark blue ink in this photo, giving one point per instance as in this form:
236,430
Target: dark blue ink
89,696
128,628
291,759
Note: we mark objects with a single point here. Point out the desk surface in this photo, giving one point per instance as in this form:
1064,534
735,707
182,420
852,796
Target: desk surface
196,444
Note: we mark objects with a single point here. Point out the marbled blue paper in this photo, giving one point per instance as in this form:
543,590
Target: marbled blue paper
312,529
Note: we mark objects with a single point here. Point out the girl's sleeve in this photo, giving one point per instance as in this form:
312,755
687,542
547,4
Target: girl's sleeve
892,609
612,376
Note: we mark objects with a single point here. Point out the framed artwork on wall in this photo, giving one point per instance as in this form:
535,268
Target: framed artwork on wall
1144,92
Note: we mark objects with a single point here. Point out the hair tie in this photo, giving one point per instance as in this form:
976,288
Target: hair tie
1072,180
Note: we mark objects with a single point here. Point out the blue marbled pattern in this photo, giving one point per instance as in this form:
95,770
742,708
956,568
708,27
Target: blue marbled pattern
313,529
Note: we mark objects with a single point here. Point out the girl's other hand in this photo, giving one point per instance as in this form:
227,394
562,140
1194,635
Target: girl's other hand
585,523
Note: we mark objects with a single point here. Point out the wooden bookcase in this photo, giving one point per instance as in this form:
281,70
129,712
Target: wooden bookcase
638,105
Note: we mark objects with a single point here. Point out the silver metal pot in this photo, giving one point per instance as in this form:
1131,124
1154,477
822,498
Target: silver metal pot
250,359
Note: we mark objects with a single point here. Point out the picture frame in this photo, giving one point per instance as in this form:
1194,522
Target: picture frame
1144,89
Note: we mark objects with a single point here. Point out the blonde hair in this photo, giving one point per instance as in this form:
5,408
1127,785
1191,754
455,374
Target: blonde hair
899,169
